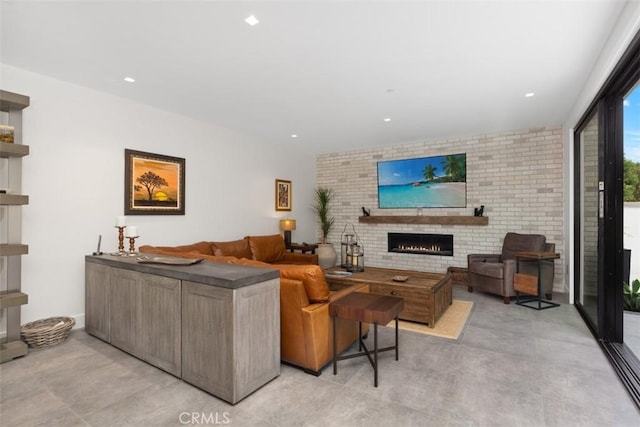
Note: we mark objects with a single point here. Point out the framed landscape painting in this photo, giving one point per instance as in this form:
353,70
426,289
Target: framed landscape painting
283,195
425,182
153,184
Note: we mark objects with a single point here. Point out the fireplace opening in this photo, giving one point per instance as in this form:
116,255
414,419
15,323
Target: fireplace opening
420,244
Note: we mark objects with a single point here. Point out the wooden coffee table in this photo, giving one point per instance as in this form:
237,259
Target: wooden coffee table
426,295
368,308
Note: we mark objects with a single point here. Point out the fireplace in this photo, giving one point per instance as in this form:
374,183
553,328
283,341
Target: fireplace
421,244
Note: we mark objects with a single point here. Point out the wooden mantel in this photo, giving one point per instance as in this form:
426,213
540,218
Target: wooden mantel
441,220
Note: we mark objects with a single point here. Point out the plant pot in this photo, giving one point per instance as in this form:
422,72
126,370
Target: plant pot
326,255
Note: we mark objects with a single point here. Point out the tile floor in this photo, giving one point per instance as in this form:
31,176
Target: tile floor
512,366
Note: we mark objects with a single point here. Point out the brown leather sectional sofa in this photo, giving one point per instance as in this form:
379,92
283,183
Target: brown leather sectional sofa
306,329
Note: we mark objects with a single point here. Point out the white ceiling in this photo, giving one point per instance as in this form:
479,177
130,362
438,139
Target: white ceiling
324,70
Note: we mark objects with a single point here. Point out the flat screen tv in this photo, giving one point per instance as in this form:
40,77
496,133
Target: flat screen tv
426,182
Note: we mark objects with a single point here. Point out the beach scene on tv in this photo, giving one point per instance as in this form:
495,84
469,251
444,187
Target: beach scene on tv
426,182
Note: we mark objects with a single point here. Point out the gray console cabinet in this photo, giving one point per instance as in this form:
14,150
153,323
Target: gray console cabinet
215,326
239,349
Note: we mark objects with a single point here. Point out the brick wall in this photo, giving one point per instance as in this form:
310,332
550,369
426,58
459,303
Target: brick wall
517,175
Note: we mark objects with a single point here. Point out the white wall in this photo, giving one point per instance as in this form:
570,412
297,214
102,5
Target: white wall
74,177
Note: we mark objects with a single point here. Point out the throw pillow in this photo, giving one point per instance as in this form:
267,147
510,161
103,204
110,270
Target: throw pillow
267,248
236,248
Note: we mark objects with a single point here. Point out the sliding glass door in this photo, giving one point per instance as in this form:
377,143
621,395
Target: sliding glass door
598,280
590,193
605,142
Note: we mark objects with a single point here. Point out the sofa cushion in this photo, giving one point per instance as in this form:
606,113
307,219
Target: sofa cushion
235,248
311,277
267,248
251,263
489,269
200,247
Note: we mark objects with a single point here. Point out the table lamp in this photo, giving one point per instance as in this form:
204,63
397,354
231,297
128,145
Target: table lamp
287,225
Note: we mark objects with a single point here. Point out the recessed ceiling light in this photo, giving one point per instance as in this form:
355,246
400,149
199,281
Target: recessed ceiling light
387,119
129,79
251,20
294,136
390,90
529,95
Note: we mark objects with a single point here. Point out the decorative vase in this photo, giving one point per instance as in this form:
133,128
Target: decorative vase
326,255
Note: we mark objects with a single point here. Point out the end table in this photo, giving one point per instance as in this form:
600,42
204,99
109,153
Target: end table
531,284
303,247
368,308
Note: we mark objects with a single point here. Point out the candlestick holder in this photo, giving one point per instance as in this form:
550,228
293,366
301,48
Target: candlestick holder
132,244
120,239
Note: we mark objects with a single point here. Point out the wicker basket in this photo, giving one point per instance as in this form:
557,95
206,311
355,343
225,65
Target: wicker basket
46,332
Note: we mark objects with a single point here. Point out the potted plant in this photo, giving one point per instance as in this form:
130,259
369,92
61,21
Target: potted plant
321,207
631,296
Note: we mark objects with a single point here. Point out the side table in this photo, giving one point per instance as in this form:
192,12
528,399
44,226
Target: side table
303,247
368,308
531,284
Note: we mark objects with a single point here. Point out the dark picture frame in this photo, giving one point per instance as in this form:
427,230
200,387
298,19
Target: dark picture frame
153,184
283,195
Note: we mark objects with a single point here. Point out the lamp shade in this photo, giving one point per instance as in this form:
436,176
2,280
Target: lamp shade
287,224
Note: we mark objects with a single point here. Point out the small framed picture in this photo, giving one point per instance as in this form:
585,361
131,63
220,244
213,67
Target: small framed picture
6,134
283,195
153,184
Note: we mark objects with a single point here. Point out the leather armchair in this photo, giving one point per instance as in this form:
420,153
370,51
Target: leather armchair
494,273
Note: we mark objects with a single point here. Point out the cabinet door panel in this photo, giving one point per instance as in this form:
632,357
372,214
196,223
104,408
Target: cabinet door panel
207,338
161,322
97,290
125,310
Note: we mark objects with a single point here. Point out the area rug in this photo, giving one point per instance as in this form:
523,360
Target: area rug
450,325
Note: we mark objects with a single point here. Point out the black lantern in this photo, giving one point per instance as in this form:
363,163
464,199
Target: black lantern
346,240
354,252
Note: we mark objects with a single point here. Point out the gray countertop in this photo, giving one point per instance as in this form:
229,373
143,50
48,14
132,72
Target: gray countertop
206,272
